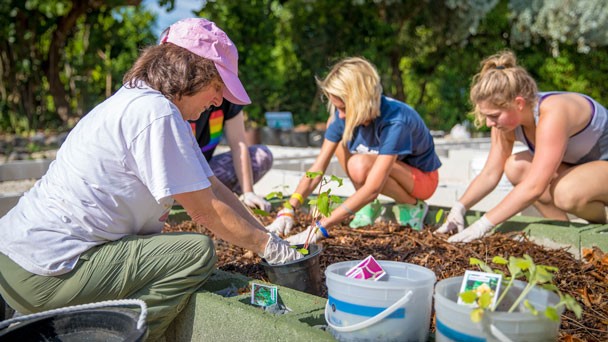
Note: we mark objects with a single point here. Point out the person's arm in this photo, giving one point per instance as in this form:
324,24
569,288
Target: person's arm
552,133
220,211
228,220
226,195
235,137
500,149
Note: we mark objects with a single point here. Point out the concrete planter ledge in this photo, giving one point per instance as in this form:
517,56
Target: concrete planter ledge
211,316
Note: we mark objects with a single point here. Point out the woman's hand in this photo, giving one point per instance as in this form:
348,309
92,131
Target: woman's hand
475,231
279,251
455,220
283,223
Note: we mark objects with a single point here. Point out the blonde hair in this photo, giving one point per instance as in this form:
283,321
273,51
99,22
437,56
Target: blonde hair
356,82
500,81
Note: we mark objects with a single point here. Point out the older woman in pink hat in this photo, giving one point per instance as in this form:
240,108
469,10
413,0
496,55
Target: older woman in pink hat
89,230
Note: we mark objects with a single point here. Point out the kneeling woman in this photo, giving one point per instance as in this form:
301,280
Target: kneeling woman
381,143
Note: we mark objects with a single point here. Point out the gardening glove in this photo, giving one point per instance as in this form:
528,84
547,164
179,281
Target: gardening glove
252,201
279,251
455,220
300,238
283,223
474,232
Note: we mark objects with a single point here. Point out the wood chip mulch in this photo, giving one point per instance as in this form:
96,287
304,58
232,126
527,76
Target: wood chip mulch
586,279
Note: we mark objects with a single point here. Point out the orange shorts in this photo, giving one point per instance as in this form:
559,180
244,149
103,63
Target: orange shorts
425,183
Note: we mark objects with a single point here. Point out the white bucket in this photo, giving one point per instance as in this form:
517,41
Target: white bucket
396,307
453,321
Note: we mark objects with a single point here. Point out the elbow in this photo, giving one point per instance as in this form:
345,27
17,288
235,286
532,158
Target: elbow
534,189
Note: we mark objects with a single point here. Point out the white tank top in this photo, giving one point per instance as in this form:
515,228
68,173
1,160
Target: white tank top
590,144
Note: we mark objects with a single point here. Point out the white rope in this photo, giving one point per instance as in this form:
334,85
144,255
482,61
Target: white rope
121,302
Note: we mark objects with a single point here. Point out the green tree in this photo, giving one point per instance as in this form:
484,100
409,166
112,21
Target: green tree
44,44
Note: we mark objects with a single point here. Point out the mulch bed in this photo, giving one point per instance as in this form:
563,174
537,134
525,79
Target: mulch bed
586,280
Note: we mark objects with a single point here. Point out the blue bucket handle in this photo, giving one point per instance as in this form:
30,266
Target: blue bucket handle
122,302
373,320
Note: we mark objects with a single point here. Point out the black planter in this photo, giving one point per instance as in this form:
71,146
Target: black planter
285,137
270,136
302,275
299,139
315,138
98,325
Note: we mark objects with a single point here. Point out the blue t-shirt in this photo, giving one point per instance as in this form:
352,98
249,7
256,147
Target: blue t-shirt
399,130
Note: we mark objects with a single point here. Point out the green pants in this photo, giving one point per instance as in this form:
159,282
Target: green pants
163,270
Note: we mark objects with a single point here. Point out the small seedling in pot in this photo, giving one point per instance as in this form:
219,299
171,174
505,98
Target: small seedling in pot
535,275
324,204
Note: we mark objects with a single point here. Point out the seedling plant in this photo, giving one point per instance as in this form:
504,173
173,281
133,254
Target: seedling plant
324,204
535,275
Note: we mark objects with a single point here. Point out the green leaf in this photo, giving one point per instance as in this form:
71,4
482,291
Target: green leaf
303,251
482,265
485,300
336,199
260,212
543,275
514,268
337,180
323,204
313,175
438,216
551,313
274,194
476,315
468,297
573,305
499,260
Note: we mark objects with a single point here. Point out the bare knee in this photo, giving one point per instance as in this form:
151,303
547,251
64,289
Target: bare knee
569,199
358,169
516,166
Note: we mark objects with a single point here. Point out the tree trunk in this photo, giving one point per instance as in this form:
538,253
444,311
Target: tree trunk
58,39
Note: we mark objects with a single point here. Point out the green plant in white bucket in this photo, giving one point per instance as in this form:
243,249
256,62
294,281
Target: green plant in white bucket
535,275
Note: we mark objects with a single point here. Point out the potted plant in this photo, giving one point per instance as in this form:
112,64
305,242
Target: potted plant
525,310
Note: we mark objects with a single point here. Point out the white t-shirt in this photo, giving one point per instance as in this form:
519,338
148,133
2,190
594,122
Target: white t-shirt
114,176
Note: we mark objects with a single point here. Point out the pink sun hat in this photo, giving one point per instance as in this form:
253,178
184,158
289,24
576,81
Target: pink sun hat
202,37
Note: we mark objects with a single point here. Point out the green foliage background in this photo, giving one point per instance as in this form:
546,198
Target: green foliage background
426,51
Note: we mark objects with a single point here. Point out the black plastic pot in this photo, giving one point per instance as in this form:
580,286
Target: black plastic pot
3,315
302,275
285,137
96,325
299,139
270,136
315,138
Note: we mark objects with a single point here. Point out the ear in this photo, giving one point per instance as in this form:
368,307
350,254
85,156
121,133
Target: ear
520,103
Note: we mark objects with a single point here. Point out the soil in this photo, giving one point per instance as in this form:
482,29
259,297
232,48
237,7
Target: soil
586,280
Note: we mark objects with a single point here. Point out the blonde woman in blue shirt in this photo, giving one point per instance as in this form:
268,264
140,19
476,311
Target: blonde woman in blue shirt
381,143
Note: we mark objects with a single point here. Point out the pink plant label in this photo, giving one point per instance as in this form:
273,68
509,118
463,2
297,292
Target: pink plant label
369,268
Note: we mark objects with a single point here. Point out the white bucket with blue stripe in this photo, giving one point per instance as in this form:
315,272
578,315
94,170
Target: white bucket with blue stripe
453,321
396,307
